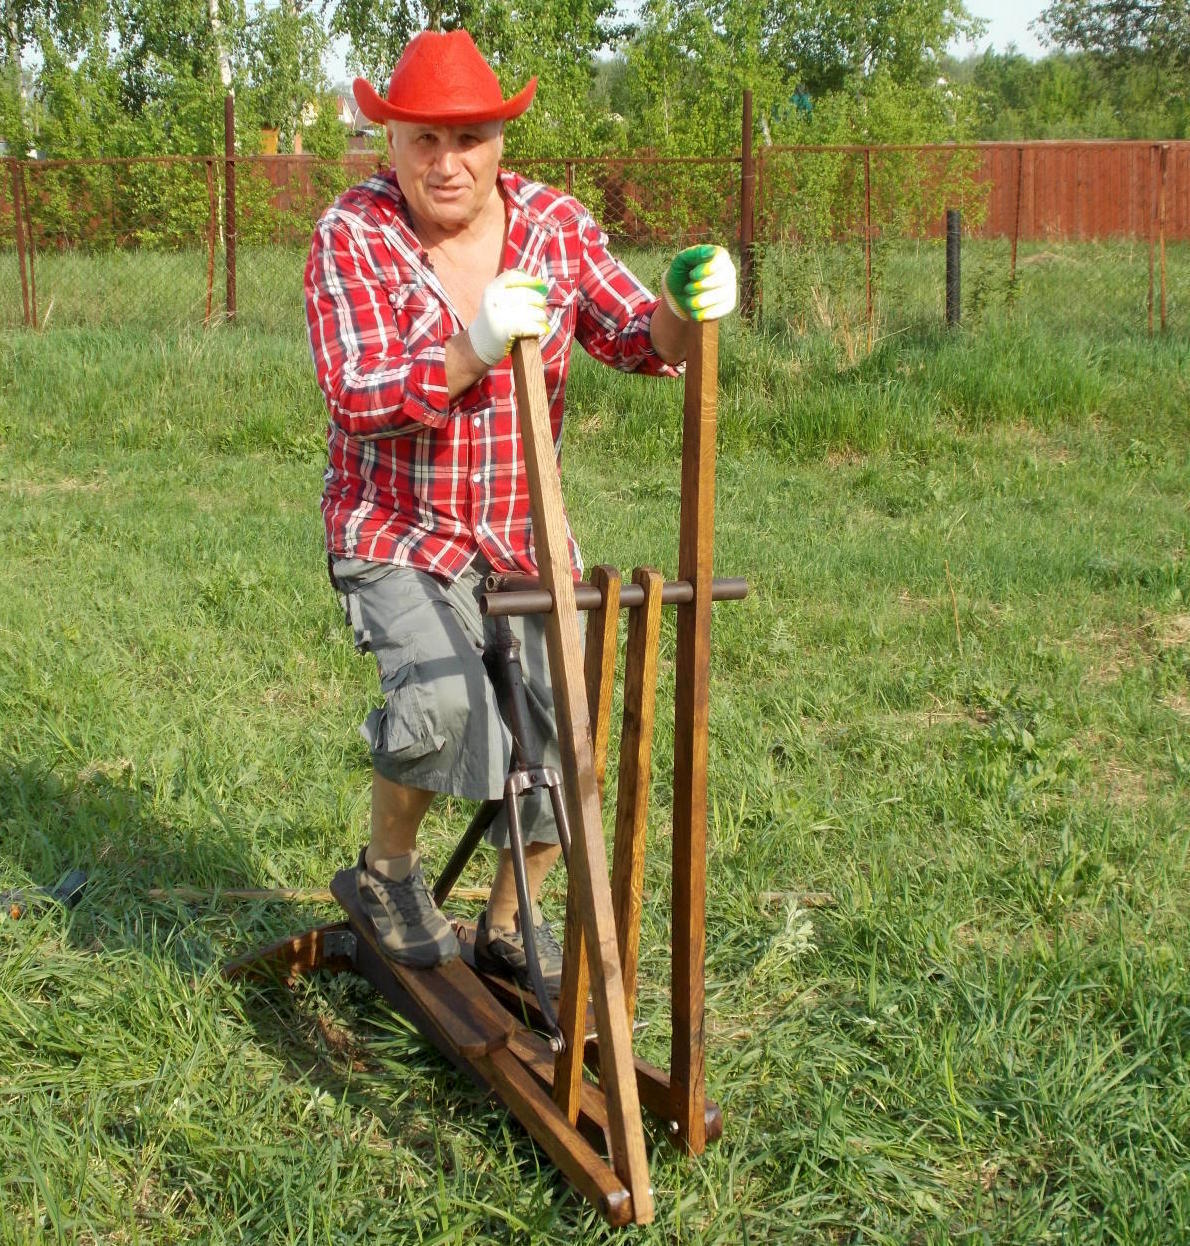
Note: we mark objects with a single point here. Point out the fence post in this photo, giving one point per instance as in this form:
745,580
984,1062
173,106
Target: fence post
954,235
30,244
1164,166
1153,197
18,230
1016,215
747,215
229,199
868,240
212,232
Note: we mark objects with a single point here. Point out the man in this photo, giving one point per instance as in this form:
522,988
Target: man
418,282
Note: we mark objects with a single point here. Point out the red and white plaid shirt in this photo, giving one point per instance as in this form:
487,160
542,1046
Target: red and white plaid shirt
414,478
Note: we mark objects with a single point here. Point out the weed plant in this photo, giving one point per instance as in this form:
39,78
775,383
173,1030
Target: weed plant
948,924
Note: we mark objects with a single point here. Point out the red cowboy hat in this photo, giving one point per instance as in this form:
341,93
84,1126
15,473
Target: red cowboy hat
442,79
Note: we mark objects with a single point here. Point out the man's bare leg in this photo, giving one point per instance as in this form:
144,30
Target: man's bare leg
502,905
397,812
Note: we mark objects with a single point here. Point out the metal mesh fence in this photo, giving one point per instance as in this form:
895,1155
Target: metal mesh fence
12,299
850,241
127,242
847,241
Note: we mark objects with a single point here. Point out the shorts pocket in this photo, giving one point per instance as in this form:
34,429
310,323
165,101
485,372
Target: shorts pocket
354,616
401,728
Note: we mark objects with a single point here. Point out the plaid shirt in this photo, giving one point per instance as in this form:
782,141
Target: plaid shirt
414,478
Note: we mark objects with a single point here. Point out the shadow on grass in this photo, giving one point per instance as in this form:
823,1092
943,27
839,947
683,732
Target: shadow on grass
330,1035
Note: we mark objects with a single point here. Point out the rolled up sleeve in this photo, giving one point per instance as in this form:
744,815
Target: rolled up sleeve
615,310
375,384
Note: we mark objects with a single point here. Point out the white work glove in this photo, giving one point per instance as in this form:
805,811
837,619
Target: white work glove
700,283
513,305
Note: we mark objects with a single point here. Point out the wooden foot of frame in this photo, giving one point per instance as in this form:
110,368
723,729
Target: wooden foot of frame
483,1026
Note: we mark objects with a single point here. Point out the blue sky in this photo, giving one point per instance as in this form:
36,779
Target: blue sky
1007,22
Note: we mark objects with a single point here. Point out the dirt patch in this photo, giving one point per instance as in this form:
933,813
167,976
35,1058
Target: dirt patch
1179,704
1120,785
110,770
1040,257
922,604
845,458
40,488
1174,633
340,1042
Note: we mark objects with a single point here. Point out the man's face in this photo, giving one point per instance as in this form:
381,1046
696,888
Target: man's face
446,173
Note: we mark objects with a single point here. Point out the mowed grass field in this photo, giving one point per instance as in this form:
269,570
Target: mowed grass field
948,916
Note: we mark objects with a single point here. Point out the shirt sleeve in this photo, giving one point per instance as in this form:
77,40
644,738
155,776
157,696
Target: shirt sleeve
374,384
615,310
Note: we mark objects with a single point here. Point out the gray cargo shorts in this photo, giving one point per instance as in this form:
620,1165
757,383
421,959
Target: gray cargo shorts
440,727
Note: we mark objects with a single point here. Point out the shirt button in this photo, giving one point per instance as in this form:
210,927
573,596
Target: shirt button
477,422
476,478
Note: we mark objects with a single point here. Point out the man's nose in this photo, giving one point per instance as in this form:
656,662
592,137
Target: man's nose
447,162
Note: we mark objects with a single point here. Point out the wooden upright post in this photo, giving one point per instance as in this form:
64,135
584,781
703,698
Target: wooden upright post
600,664
696,536
588,860
636,759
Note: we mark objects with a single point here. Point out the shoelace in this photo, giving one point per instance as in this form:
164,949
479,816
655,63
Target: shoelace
411,896
547,943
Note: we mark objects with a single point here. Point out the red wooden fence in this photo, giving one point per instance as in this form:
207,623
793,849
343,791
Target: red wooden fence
1085,191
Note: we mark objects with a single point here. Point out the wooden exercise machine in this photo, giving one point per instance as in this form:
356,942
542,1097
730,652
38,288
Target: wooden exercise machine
503,1037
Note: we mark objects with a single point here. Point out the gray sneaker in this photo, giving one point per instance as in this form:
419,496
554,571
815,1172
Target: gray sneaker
502,952
410,928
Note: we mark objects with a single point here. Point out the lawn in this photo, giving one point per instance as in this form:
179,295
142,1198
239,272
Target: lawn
948,919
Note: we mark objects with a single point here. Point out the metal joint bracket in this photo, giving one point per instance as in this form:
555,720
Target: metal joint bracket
339,943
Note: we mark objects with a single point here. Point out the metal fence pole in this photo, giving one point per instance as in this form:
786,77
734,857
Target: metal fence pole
1164,166
18,231
30,244
212,232
1152,230
954,236
1016,215
747,215
868,240
229,200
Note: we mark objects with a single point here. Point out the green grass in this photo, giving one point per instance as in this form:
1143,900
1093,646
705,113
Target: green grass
948,919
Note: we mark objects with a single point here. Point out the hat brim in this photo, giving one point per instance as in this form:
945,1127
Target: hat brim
376,108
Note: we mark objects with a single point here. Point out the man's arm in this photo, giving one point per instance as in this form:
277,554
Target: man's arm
463,366
620,323
378,385
375,384
669,335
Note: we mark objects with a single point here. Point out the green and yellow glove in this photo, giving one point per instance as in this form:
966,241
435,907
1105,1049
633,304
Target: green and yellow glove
700,283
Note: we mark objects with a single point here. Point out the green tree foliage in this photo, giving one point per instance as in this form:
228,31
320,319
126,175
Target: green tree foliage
1157,31
28,27
1073,96
282,53
553,39
690,61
